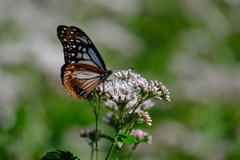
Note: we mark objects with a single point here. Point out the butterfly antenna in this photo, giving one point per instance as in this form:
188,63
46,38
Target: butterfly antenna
124,68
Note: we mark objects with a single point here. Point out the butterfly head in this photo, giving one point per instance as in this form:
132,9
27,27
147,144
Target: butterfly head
106,74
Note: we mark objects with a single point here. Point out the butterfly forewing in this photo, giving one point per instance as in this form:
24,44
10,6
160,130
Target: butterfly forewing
78,47
84,68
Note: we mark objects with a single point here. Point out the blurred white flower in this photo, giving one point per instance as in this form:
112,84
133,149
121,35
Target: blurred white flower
90,135
140,135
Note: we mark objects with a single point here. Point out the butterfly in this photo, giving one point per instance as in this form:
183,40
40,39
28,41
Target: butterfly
84,68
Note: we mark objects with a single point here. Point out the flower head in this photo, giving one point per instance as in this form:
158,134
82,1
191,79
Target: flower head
90,135
140,135
141,116
127,86
117,90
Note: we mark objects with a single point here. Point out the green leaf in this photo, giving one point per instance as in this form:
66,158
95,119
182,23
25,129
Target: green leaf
127,139
145,139
59,155
107,137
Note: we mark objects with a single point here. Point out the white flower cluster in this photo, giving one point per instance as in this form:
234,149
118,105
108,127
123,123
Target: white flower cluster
127,86
143,88
128,96
132,93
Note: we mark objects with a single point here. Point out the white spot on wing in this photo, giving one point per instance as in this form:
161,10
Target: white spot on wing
82,39
79,55
86,56
79,48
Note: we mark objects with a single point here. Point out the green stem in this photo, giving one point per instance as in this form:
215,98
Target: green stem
120,125
118,152
96,134
110,151
128,131
133,149
92,151
96,118
134,109
96,108
118,129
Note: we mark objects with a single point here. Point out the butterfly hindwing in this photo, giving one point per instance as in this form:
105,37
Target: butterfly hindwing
81,79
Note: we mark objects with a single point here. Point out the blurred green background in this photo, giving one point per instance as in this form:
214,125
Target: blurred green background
192,46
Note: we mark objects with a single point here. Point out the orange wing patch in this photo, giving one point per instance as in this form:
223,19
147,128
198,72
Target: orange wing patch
81,79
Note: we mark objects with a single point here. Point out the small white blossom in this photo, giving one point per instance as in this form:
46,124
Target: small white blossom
142,116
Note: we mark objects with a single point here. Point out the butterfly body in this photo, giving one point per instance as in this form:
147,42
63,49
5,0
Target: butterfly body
84,67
